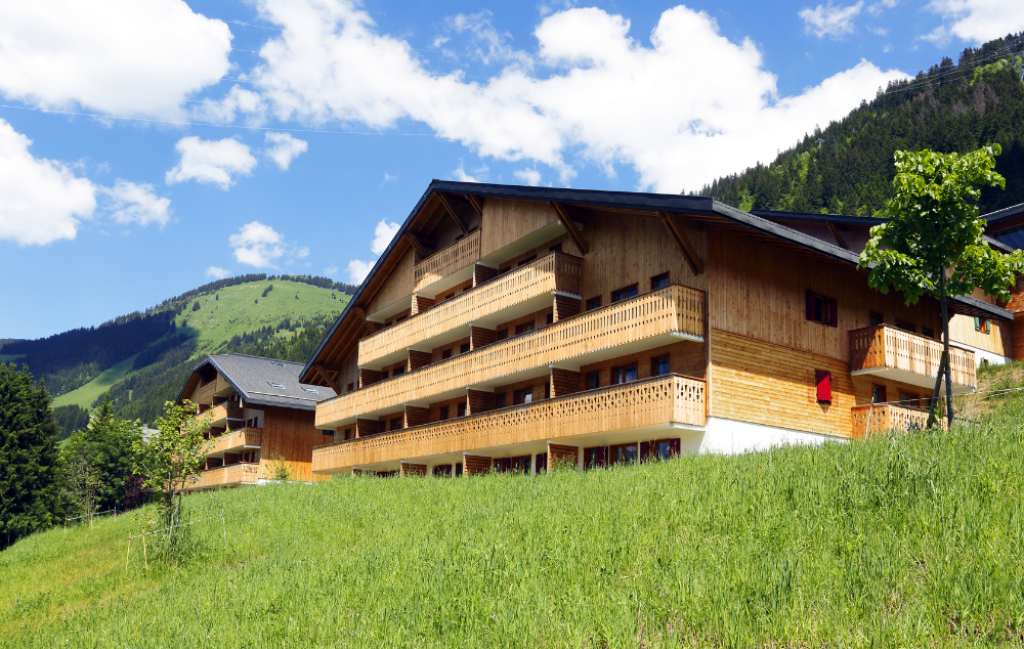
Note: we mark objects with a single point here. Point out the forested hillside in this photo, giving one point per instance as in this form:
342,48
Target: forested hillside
142,359
847,168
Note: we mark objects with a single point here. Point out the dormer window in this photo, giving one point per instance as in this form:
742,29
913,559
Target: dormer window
275,385
310,390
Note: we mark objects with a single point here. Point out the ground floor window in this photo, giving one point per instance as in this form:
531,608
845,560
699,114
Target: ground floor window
623,453
595,457
442,470
542,463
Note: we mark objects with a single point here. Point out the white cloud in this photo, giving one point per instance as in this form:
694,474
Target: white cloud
879,31
977,21
331,271
301,253
122,57
358,270
136,203
878,7
285,149
217,272
461,175
528,176
709,106
830,20
487,44
383,234
211,161
41,201
257,245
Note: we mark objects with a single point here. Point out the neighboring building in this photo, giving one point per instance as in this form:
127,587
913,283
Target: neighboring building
509,328
262,418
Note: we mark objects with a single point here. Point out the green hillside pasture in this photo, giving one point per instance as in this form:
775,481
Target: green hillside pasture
898,542
237,312
87,394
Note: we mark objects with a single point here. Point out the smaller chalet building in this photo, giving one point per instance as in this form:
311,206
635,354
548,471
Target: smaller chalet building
262,417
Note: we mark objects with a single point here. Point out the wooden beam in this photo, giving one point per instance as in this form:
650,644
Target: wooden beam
423,246
689,252
475,202
570,226
837,234
451,212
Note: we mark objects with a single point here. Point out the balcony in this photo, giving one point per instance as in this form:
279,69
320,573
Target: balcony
227,476
218,414
658,318
446,261
236,441
881,418
908,358
662,400
519,292
205,393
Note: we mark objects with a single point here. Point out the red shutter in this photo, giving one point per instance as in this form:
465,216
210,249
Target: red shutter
823,379
809,306
833,312
645,451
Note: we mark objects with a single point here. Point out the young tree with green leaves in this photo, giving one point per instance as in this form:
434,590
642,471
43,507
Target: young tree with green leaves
30,475
934,242
173,457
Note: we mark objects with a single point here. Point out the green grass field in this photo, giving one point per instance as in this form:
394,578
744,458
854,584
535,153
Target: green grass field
906,541
87,394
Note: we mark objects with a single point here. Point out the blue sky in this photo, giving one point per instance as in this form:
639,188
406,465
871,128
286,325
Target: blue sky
149,147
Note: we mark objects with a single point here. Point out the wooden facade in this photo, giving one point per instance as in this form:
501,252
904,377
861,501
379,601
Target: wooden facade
507,322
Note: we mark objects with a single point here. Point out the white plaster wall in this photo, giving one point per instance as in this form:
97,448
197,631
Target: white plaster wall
728,436
981,354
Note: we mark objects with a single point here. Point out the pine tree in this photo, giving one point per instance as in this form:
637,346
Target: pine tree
30,473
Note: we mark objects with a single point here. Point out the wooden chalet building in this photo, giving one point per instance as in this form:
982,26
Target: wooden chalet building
262,416
509,328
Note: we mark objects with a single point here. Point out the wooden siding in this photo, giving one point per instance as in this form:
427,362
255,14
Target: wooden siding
883,346
567,307
237,440
757,291
420,304
418,359
399,284
550,273
873,420
407,470
559,454
643,403
671,309
999,340
478,401
446,261
687,358
416,416
476,465
506,221
226,476
479,337
564,382
483,274
289,437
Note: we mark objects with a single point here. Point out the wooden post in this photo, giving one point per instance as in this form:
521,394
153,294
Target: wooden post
145,559
129,552
223,526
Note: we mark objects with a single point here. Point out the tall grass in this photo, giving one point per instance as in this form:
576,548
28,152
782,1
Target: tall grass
901,541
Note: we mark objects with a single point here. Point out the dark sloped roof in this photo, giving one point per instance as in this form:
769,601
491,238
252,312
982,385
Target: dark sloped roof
637,201
252,376
1003,214
818,218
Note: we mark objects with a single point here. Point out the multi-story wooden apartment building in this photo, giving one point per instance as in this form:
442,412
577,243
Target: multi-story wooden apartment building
262,419
509,328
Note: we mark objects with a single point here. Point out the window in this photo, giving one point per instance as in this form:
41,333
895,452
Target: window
593,380
659,366
878,394
527,260
555,248
823,382
596,457
464,348
446,354
547,390
442,470
349,433
551,318
449,296
928,332
444,413
521,464
542,462
503,334
624,293
665,448
384,375
458,469
626,374
821,309
351,386
310,390
461,410
982,325
499,400
396,423
875,317
522,396
910,399
275,385
594,303
524,328
398,370
659,281
623,454
906,326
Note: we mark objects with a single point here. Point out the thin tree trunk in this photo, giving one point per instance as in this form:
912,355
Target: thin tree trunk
945,350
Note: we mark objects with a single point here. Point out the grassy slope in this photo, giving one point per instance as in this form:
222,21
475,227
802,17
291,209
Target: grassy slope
908,541
217,321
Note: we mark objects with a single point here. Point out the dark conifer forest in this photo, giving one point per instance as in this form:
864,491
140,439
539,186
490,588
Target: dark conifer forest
847,167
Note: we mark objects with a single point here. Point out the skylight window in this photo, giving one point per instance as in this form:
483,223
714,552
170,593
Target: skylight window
277,363
275,385
311,390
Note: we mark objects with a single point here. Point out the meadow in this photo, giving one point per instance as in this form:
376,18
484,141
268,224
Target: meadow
906,540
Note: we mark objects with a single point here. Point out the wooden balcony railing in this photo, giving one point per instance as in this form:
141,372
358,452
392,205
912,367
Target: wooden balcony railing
659,400
876,419
446,261
673,309
237,440
205,393
885,347
225,476
556,271
216,413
